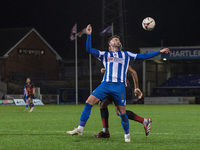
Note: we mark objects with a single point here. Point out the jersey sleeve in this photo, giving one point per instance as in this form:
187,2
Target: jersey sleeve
147,55
132,55
94,52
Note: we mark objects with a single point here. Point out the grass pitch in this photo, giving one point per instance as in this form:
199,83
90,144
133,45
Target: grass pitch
173,127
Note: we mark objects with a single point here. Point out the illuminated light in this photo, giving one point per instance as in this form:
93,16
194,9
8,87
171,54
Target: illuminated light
42,52
164,59
31,51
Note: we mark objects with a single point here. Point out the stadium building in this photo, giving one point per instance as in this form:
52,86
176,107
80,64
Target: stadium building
176,74
23,51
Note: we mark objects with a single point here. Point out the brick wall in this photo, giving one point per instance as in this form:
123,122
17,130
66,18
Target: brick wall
31,64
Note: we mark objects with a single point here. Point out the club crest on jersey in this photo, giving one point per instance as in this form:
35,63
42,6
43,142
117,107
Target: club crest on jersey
114,59
122,96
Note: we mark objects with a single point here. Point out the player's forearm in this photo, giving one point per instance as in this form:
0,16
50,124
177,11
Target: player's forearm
134,76
147,55
89,48
88,43
135,80
135,86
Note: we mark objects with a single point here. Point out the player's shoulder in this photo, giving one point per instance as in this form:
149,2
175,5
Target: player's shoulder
129,52
103,52
126,52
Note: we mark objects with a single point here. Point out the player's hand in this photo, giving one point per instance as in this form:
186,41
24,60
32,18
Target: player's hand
138,93
165,50
89,29
103,70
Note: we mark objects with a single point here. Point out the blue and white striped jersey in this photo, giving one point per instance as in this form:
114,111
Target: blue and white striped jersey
116,64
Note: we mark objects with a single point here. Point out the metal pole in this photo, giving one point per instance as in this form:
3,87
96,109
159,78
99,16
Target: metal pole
112,29
76,66
144,77
103,26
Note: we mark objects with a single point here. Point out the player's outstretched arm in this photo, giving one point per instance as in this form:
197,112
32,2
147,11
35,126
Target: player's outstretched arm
152,54
165,50
89,39
94,52
89,29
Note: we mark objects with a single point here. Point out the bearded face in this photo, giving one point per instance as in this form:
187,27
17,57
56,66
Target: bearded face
115,43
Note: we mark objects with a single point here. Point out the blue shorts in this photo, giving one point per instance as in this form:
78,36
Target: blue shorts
111,89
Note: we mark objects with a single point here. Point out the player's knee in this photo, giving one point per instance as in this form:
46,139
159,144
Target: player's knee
92,100
122,110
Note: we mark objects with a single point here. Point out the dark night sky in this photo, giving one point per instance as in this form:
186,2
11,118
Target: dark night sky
177,22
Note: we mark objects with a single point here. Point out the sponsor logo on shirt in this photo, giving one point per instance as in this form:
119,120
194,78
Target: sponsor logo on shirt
114,59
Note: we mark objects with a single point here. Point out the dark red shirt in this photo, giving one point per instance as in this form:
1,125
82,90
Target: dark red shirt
29,89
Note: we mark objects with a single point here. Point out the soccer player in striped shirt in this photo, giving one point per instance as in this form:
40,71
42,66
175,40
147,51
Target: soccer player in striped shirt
131,115
116,63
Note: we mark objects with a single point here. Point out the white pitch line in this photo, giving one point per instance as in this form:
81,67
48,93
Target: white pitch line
95,132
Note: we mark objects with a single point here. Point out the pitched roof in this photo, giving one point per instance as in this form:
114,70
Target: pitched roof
9,38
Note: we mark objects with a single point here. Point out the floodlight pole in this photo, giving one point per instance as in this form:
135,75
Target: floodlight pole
76,66
112,28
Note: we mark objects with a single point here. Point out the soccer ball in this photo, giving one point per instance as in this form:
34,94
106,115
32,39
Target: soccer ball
148,23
